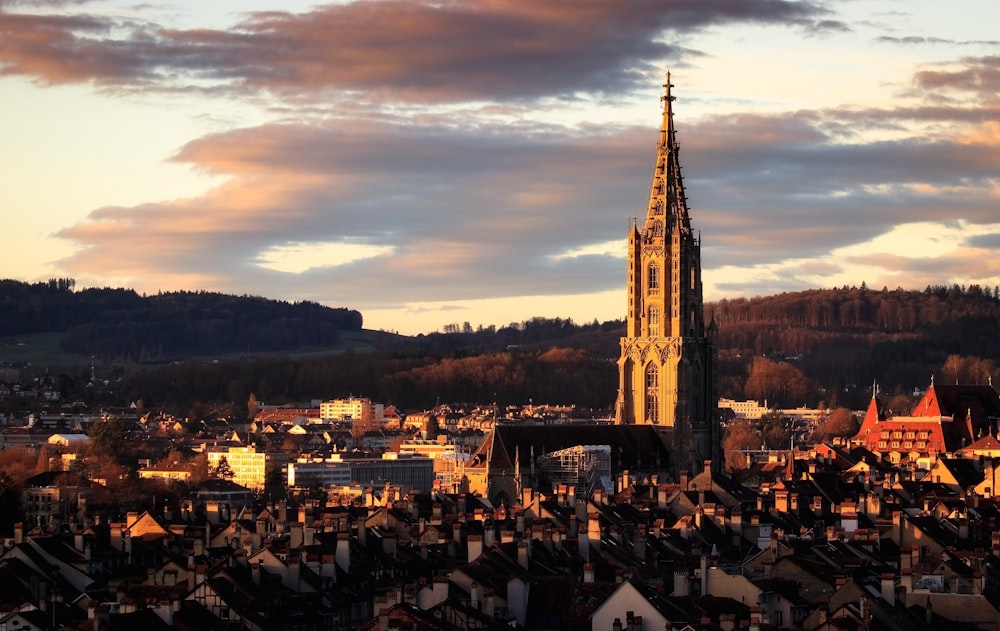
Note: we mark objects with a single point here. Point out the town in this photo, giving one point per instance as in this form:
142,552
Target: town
675,511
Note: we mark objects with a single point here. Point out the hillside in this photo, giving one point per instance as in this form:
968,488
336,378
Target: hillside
122,326
795,348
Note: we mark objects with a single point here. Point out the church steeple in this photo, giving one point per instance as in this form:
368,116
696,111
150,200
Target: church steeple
665,291
667,365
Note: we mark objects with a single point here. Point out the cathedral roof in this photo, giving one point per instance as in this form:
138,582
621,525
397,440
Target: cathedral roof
631,445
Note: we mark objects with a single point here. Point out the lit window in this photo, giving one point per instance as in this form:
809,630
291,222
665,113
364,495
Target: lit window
652,376
652,409
654,278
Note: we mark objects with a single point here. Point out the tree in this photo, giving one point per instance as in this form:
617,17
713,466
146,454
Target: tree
431,427
774,431
109,438
900,405
252,407
223,470
839,422
11,509
740,435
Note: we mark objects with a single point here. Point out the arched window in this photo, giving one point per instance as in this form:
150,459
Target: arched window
657,228
652,409
654,278
654,321
652,376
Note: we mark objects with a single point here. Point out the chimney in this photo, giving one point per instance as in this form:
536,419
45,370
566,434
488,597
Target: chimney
295,538
255,572
522,554
588,573
661,496
475,545
489,606
474,595
889,588
906,580
684,480
389,544
639,543
343,552
362,532
704,574
681,587
594,529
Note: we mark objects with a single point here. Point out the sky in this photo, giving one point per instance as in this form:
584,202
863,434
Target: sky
481,161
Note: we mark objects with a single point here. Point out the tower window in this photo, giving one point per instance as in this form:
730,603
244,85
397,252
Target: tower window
652,376
654,278
652,409
654,321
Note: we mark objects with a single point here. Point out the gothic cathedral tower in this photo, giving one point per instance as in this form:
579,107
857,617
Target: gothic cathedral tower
667,369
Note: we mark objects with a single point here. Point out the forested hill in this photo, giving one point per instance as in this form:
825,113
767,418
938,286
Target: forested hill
120,324
844,339
792,349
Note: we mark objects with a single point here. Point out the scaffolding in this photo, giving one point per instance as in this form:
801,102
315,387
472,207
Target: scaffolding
581,465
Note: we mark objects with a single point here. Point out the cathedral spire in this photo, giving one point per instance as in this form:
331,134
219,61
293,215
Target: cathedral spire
667,366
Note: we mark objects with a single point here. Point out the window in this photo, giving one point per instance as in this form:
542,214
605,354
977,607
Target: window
654,321
652,376
654,278
652,409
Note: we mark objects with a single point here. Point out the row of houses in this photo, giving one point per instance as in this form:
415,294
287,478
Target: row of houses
831,538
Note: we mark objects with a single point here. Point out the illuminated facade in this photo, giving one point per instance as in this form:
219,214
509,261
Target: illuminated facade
249,466
668,357
372,414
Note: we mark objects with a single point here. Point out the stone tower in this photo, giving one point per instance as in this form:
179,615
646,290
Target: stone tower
667,369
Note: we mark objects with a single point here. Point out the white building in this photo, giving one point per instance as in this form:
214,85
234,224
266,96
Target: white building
372,414
745,409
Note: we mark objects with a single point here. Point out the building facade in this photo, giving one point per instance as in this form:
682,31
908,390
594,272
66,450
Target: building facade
250,467
363,410
667,366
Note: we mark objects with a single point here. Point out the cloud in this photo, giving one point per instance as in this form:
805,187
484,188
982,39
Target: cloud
469,208
417,51
463,217
977,77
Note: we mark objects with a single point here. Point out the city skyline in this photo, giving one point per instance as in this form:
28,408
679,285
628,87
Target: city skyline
481,162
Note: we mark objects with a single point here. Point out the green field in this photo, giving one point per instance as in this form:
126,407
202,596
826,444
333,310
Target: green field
39,349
